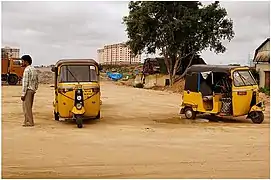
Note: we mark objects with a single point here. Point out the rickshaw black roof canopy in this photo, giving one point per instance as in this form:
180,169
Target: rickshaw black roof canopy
213,68
90,61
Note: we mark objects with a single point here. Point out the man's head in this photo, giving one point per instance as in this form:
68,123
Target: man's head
27,60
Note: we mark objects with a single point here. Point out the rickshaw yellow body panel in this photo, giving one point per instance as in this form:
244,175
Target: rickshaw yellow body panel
256,108
65,91
244,98
78,111
241,99
65,106
195,101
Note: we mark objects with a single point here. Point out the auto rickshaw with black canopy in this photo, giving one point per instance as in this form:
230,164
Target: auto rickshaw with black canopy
77,90
221,90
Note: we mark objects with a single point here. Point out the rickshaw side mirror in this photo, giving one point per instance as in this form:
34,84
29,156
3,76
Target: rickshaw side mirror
53,69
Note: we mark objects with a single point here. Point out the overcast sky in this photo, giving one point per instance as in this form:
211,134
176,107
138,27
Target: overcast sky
50,31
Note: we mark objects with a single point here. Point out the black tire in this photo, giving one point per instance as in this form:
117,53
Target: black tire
79,122
257,117
12,79
4,77
189,113
98,116
56,116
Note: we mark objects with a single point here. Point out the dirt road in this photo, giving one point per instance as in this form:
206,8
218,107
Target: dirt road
140,135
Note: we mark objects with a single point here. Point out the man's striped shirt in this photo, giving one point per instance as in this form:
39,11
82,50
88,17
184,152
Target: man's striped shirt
30,80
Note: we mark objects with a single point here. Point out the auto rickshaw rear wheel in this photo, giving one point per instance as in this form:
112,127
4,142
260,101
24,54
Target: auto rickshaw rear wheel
56,116
189,113
257,117
98,116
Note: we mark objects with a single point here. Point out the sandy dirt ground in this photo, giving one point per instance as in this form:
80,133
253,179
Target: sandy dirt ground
140,135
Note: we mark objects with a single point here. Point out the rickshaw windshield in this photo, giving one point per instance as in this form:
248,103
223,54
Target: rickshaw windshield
243,78
78,73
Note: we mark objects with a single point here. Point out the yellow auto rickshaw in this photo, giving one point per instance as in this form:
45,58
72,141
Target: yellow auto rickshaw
221,90
77,90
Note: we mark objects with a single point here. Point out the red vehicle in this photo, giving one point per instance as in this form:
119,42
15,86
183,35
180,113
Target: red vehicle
12,70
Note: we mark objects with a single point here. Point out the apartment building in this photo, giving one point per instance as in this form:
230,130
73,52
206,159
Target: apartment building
117,54
10,52
100,56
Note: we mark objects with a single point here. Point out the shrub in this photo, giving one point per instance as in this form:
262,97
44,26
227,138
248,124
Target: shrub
265,91
256,75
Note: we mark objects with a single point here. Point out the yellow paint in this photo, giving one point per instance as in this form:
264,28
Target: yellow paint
194,100
77,111
64,101
256,108
240,103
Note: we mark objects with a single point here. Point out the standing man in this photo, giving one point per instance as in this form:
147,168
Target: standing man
30,86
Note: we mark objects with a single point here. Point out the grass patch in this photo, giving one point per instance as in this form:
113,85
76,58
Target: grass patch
265,91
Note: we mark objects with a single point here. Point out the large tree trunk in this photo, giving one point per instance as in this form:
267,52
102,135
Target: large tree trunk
186,68
168,64
176,68
173,69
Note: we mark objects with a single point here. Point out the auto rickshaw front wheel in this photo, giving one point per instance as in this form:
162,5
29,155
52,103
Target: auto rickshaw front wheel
79,121
189,113
257,117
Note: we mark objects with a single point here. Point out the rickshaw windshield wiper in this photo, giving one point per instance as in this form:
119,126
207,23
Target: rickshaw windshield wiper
73,75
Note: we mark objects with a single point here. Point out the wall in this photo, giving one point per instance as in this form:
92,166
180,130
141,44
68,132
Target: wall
266,47
152,80
262,67
100,56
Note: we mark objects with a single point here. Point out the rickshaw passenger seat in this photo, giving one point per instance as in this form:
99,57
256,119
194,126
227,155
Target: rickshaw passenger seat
205,89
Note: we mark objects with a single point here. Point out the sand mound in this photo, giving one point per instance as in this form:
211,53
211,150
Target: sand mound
45,77
178,86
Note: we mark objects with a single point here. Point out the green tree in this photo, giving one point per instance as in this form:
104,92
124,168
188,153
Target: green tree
180,30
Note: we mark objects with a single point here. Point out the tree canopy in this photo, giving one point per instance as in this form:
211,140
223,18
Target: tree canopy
178,29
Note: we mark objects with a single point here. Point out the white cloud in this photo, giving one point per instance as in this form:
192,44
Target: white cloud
53,30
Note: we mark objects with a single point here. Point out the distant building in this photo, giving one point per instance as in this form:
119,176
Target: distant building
100,56
10,52
157,65
262,63
117,54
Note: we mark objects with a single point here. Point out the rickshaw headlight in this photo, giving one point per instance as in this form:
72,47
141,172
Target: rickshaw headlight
79,98
79,106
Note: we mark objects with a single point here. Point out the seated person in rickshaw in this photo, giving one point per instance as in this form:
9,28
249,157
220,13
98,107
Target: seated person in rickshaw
224,85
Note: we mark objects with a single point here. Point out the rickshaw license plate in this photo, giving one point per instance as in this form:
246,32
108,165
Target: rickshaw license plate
88,92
